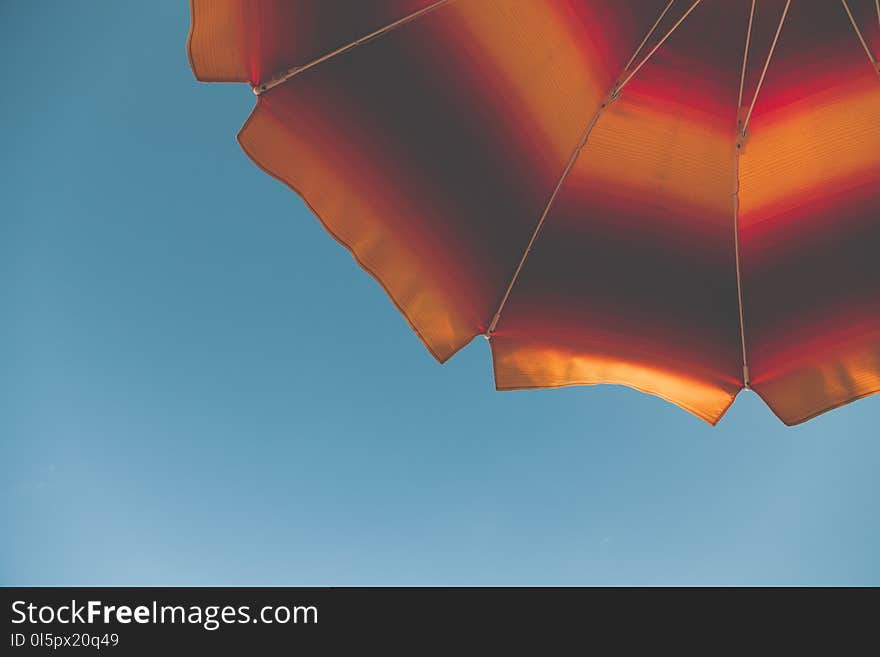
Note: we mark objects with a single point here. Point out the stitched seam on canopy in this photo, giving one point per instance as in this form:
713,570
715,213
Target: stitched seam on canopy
296,70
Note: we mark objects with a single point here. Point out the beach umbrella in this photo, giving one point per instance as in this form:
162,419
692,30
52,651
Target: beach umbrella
682,197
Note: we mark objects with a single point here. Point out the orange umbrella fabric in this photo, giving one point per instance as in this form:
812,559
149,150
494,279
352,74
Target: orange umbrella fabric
681,197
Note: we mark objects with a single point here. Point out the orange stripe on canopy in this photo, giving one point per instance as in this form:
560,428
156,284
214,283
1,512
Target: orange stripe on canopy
437,142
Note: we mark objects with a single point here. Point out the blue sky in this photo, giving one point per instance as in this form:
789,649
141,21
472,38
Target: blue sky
200,387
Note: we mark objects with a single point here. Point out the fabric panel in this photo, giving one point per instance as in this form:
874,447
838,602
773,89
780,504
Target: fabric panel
810,218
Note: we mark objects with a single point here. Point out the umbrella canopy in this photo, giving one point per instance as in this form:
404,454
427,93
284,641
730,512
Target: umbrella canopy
681,197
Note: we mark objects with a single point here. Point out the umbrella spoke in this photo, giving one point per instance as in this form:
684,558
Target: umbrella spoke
655,48
766,66
580,145
864,43
648,35
296,70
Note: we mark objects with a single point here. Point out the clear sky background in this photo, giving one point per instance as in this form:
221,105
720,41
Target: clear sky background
198,386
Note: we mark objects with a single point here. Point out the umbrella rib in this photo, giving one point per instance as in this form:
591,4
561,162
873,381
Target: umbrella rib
568,167
742,77
742,126
766,66
296,70
739,287
874,63
736,248
612,96
648,35
656,47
